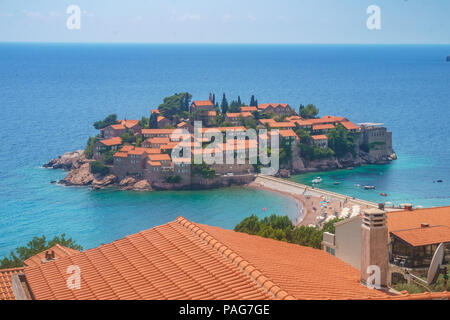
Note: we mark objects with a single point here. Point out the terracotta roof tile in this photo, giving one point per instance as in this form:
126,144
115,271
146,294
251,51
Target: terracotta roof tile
319,137
112,142
202,103
424,236
400,220
167,262
59,250
6,292
323,126
349,125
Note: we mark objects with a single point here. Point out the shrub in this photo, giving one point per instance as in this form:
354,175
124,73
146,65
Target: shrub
173,179
99,168
89,150
281,228
111,119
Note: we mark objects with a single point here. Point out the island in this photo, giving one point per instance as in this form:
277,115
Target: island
139,154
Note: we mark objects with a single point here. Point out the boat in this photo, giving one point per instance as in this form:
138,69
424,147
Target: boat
439,180
317,180
448,58
336,183
383,194
369,187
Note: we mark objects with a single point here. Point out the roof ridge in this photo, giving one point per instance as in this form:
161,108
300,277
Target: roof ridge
256,275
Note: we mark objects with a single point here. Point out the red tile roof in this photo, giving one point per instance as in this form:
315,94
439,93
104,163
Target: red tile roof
288,133
349,125
323,126
59,250
158,140
159,157
158,131
400,220
129,123
173,261
184,260
121,154
284,124
112,142
6,291
418,237
202,103
249,109
319,137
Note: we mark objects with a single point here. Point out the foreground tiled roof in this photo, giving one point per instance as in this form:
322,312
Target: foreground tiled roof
172,261
182,260
303,272
424,236
6,292
59,250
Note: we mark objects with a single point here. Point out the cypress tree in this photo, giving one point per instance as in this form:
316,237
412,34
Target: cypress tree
153,122
224,104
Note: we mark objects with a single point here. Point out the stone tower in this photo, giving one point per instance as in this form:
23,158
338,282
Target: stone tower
374,248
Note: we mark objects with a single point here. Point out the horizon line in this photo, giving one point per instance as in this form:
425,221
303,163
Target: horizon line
221,43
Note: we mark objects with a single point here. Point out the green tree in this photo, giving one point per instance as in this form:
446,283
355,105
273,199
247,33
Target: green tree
99,168
153,122
144,123
35,246
281,228
111,119
253,102
89,150
174,106
340,140
128,137
224,104
308,112
329,226
235,106
173,179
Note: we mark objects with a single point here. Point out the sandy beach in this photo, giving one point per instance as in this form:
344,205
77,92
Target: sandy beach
310,207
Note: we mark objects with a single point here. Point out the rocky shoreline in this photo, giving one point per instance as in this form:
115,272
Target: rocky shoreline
80,175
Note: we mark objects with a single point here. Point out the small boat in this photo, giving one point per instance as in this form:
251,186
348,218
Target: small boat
439,180
336,183
383,194
317,180
350,168
369,187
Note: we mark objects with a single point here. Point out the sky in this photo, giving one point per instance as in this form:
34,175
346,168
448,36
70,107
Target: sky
227,21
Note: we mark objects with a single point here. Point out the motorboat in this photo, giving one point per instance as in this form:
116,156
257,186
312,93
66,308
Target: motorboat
317,180
369,187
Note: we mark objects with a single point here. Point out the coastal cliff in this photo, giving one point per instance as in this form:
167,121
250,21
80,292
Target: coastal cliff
300,165
81,175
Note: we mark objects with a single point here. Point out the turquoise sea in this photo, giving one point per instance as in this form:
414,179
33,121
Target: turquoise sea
50,94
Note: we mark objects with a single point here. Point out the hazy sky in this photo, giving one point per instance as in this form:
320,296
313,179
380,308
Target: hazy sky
226,21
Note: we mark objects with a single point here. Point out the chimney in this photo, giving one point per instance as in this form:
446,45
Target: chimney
374,249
